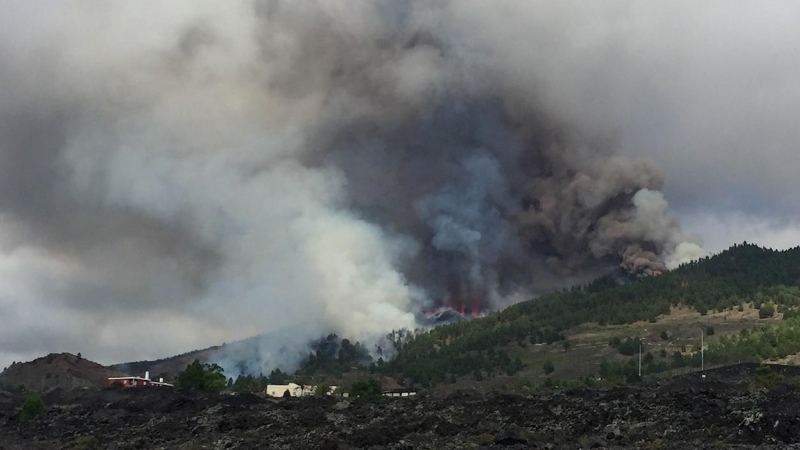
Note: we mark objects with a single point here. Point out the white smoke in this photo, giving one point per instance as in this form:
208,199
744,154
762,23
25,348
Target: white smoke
247,166
652,213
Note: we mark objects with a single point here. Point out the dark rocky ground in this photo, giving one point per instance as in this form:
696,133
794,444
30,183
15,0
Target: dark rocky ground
720,412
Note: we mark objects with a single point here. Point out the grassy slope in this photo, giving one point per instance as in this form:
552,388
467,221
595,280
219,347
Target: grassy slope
589,342
589,347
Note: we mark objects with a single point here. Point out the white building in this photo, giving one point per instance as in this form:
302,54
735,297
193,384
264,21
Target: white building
294,390
399,393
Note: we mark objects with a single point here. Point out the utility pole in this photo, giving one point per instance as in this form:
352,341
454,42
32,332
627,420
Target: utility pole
702,350
640,359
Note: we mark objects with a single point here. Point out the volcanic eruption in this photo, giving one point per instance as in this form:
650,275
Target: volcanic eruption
349,166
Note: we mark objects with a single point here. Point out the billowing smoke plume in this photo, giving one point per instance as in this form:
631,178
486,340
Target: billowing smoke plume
244,166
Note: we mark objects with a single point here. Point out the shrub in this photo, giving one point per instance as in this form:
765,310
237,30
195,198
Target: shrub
629,346
766,311
370,388
32,407
710,331
678,360
766,378
744,333
548,367
322,390
664,336
631,371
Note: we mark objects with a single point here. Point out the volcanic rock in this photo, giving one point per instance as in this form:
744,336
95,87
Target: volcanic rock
638,416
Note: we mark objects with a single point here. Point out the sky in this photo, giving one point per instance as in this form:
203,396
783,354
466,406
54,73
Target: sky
162,186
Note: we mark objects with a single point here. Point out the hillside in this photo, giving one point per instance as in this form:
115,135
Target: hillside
590,330
167,368
57,370
737,282
243,356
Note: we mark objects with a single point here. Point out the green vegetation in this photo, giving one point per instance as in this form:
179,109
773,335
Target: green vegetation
766,378
761,343
616,372
206,377
548,367
767,310
370,388
32,407
587,381
334,356
322,390
250,383
277,377
629,347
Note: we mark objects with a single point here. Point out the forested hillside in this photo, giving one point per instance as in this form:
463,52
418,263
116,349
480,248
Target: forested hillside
740,278
742,274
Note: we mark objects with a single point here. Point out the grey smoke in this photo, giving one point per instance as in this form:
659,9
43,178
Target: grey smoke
341,166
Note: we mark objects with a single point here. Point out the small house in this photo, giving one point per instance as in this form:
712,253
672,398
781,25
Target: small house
133,381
